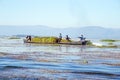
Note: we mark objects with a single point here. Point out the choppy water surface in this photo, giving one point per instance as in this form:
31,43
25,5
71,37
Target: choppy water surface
19,61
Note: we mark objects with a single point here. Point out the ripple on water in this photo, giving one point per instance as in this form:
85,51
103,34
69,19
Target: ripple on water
34,62
64,70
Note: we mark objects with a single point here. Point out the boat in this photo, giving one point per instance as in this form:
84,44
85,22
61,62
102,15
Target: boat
53,40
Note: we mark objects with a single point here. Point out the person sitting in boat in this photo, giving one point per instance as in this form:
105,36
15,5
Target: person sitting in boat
28,38
67,38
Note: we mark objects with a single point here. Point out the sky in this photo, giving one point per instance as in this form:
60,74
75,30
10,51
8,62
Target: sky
61,13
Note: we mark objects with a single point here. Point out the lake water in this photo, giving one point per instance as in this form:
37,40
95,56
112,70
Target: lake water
23,61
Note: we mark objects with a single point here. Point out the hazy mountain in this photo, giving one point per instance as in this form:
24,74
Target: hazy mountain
40,30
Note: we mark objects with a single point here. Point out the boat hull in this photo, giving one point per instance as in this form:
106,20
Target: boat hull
66,43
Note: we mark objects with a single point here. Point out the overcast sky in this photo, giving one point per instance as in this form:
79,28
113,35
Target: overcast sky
61,13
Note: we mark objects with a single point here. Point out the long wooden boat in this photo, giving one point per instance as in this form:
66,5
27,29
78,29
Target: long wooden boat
66,43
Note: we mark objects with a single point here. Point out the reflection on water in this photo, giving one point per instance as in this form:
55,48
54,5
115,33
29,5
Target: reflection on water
9,45
21,47
19,61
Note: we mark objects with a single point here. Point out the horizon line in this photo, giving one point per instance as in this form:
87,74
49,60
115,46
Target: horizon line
63,27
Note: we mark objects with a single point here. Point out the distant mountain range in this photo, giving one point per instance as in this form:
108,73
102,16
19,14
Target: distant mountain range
91,32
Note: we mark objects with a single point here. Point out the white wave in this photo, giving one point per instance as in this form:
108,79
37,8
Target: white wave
97,44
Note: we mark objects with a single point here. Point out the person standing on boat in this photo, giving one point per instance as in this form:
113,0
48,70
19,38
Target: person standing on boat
82,40
60,38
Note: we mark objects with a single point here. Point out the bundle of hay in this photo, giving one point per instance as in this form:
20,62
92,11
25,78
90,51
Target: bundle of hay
44,40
